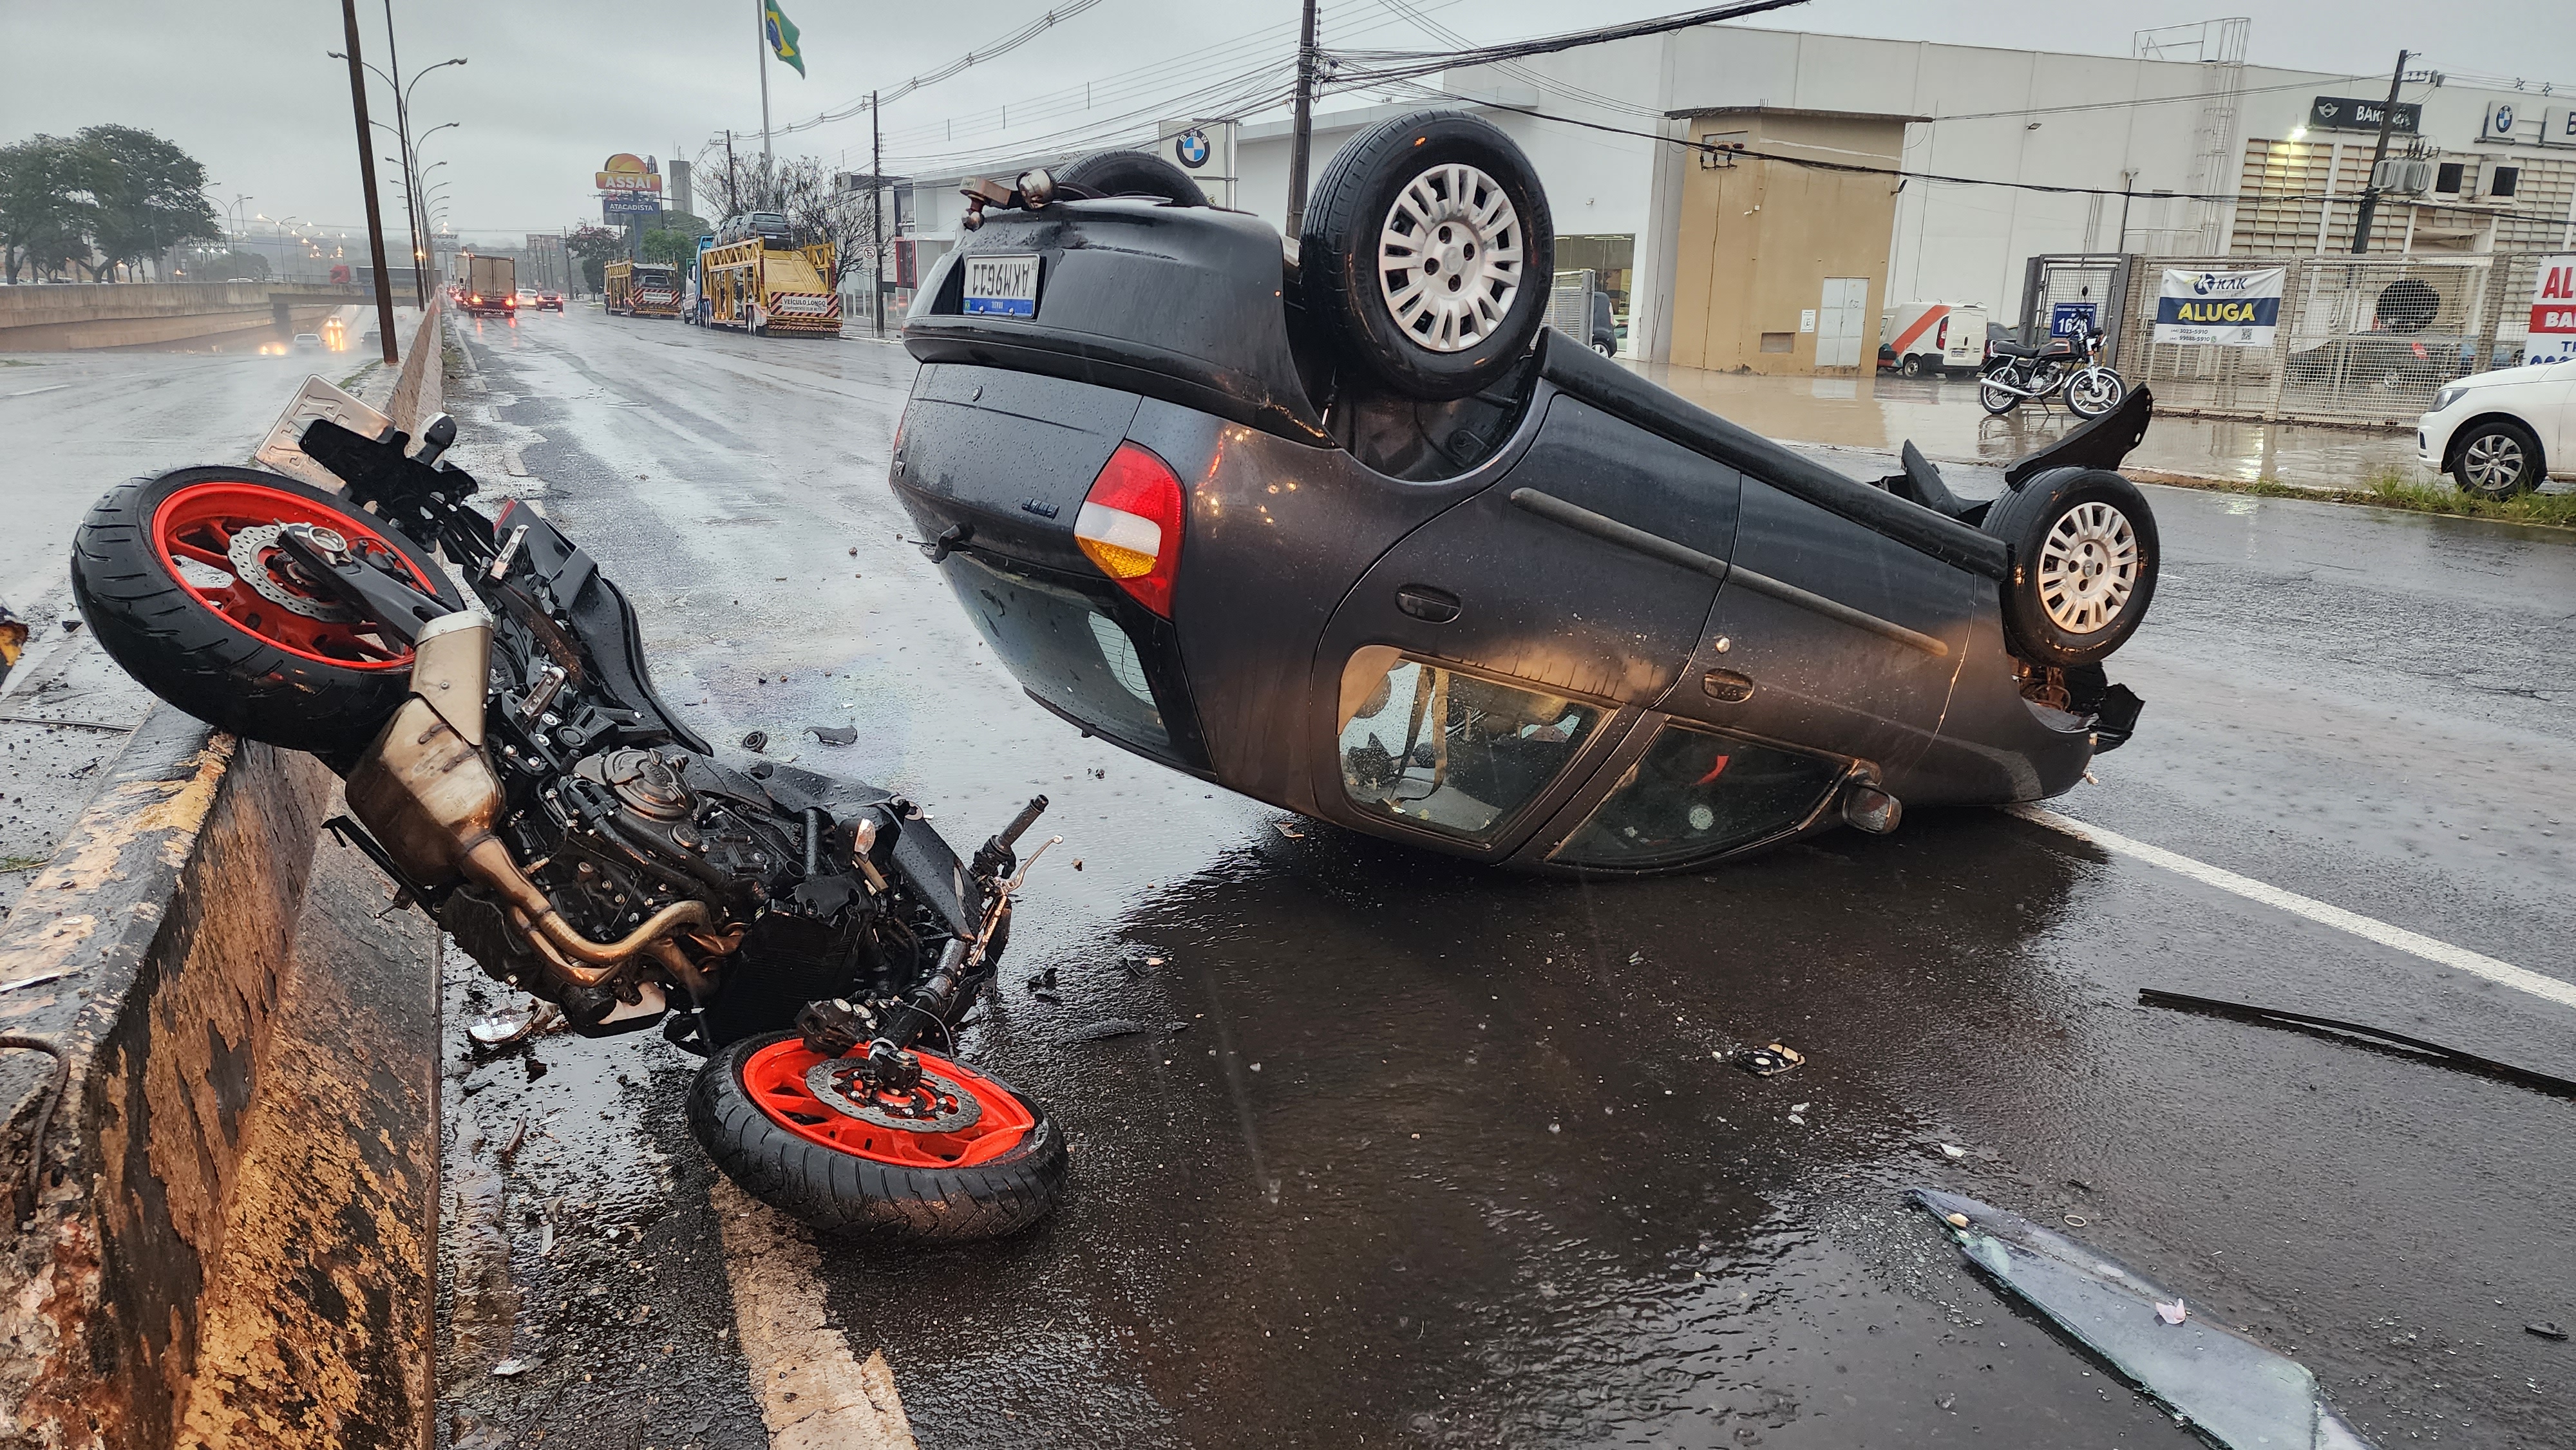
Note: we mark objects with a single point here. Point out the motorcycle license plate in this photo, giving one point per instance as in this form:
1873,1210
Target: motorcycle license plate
1002,286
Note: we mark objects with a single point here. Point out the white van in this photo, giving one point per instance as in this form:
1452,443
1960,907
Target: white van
1916,338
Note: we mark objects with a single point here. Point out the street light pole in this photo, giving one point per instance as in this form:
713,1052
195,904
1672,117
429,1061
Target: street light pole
367,179
1305,124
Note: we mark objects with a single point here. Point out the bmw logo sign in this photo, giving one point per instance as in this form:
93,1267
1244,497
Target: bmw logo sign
1192,148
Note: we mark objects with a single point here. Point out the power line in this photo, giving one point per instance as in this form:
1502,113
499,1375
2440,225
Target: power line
1001,47
1397,65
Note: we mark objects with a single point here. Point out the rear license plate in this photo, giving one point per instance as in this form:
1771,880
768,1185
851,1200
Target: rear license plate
1002,286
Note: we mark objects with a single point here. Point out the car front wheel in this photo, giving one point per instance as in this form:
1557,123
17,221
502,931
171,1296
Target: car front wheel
2084,555
2497,459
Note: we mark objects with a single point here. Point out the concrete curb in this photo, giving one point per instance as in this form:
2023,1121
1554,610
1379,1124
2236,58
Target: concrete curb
233,1238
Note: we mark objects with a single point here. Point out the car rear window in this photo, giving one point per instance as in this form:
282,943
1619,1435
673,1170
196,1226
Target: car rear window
1067,649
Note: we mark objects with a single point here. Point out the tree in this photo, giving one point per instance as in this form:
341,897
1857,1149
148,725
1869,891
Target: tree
46,209
594,247
147,195
223,266
674,243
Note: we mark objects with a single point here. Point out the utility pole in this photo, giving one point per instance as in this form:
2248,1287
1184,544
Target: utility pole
367,180
765,163
733,193
2370,192
876,211
1305,135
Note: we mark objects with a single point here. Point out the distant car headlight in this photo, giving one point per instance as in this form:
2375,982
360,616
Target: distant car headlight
2446,398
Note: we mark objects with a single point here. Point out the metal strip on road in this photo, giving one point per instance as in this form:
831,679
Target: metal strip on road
31,392
2440,953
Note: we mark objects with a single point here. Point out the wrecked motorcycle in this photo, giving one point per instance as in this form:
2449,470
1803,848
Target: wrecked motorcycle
509,766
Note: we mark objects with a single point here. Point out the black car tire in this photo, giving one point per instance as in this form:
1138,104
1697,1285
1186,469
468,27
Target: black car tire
1913,366
1131,173
2075,534
185,652
1349,283
1604,348
2507,459
846,1195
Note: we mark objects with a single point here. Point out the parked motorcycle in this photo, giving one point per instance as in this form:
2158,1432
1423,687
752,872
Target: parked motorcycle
2072,365
510,767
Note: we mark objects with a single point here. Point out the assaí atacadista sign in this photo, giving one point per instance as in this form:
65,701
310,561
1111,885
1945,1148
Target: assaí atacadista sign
2219,309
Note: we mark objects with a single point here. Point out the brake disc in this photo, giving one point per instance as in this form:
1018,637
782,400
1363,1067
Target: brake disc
251,550
941,1104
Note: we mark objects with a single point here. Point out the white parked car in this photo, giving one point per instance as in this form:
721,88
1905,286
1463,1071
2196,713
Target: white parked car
2500,433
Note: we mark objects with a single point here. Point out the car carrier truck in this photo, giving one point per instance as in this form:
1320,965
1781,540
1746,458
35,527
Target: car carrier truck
765,285
640,289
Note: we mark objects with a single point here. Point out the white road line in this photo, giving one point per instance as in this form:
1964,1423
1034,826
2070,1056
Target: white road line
2440,953
31,392
814,1394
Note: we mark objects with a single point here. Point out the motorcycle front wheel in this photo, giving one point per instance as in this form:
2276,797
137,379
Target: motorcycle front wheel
182,579
965,1157
1996,398
2094,392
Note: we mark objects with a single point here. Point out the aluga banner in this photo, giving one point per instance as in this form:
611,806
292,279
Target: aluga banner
2220,309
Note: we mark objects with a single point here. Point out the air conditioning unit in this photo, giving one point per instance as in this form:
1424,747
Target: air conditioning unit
2404,175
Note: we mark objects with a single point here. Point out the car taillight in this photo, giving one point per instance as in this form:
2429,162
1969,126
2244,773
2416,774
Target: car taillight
476,299
1130,525
1941,339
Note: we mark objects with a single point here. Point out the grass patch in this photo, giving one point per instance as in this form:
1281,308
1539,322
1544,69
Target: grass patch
17,362
19,863
2393,490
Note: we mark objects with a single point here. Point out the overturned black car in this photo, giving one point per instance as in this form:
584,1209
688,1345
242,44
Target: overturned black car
1338,524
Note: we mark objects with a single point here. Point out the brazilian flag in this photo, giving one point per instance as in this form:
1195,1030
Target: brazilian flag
782,35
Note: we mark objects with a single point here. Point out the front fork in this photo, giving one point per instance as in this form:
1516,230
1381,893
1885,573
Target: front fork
836,1028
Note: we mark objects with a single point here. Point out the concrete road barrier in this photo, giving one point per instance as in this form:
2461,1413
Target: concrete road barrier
77,316
235,1164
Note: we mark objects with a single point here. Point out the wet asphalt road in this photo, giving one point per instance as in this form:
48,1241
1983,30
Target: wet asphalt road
1417,1154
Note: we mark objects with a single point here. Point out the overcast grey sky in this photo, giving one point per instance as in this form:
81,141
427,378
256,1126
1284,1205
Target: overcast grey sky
554,86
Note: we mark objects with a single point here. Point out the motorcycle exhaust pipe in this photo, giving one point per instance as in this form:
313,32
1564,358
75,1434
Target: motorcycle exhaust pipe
428,794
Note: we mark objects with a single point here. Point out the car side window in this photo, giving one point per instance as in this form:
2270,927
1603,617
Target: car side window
1455,753
1695,794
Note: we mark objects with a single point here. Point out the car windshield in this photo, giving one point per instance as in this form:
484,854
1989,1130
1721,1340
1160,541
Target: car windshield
1453,753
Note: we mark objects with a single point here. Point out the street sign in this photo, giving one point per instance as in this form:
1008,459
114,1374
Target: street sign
2066,319
2349,113
2553,313
2220,309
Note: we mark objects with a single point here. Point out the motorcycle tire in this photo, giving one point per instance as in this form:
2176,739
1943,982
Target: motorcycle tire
1131,173
1445,315
2084,557
754,1109
271,660
2094,392
1996,400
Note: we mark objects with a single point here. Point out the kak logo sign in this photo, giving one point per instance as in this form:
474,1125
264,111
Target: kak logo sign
2553,313
2219,309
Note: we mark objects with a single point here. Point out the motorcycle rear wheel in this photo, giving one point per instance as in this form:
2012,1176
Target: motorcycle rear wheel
826,1160
185,589
1994,397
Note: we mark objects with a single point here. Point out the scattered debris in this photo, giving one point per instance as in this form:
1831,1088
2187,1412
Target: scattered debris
756,741
1045,996
71,626
835,734
2233,1390
2358,1035
1291,832
1105,1029
500,1029
1636,959
1770,1061
1953,1150
1077,863
2546,1329
1042,980
510,1368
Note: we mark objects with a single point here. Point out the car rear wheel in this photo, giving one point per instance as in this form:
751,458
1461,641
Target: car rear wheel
1428,247
183,581
2084,557
1132,173
2496,459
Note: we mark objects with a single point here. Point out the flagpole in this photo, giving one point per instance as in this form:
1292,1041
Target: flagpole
763,6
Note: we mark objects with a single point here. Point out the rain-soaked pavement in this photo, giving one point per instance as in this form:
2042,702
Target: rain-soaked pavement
1414,1154
1410,1153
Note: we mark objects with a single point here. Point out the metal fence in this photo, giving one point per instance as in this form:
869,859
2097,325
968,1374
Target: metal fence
2361,341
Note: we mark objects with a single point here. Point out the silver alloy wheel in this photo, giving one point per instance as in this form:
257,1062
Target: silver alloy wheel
2094,391
2493,463
1449,258
2088,568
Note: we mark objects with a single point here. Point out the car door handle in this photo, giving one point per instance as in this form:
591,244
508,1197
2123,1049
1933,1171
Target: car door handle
1430,605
